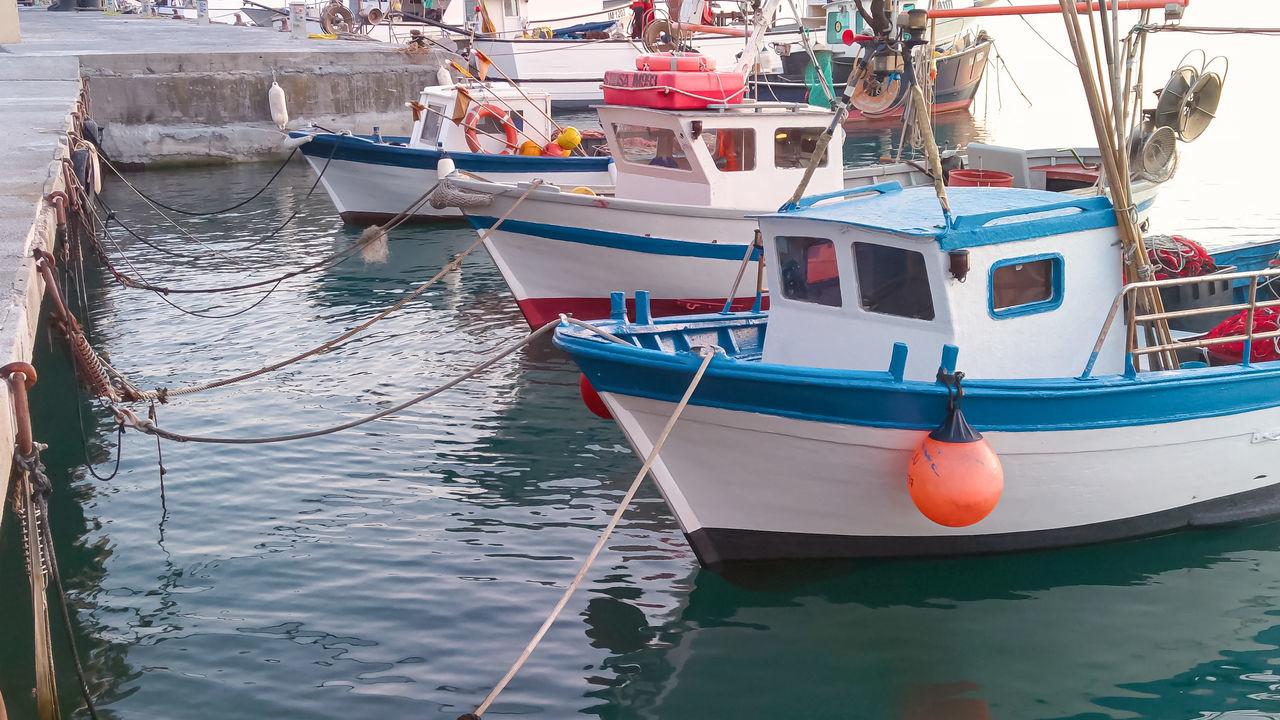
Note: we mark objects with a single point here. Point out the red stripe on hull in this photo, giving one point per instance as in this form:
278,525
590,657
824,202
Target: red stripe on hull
540,311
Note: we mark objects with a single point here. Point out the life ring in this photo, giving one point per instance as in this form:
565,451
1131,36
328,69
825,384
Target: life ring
496,113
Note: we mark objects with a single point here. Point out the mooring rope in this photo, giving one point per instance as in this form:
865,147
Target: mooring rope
149,427
163,394
707,354
191,213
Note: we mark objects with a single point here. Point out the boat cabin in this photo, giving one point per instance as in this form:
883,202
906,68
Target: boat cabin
746,156
1015,282
496,114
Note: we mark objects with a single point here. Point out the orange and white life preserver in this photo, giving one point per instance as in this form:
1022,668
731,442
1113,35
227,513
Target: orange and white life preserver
497,113
675,62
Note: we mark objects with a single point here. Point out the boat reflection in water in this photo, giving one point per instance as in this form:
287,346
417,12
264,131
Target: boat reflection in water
1186,618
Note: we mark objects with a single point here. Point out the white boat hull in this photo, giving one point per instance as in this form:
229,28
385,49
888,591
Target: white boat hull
826,489
567,254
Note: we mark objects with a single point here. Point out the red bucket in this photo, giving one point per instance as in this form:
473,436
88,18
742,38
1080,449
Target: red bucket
979,178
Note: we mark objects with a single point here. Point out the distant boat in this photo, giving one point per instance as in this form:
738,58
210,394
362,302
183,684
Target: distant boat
372,179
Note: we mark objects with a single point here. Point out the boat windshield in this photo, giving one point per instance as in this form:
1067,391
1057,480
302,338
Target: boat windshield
644,145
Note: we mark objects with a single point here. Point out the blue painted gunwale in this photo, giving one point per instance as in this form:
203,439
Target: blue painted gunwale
875,399
618,241
362,149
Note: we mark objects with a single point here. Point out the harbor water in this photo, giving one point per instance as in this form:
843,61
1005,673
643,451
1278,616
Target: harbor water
396,570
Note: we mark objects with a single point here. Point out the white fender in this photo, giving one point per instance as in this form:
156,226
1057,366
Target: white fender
279,111
443,77
444,167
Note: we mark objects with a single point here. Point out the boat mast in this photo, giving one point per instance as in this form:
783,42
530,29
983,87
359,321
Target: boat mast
1111,133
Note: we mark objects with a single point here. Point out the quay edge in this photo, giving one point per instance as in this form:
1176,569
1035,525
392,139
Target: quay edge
37,97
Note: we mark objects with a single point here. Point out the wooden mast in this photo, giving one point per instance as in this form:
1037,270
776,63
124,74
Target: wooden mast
1114,152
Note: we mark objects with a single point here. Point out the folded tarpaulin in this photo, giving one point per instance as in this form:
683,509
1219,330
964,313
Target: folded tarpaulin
574,32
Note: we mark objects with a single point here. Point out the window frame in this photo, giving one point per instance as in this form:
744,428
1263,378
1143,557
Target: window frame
800,165
1056,286
751,149
678,145
815,241
858,280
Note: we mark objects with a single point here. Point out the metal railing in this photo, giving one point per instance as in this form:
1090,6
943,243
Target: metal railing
1126,299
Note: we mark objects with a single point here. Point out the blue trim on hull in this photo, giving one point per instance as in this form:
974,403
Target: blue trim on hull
361,149
660,369
618,241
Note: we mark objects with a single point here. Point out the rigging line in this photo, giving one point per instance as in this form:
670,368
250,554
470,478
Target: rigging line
301,203
1042,37
1200,30
335,342
125,279
150,427
707,354
111,215
237,206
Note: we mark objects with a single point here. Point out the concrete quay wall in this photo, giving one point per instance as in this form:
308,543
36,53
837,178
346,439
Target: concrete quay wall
176,92
199,108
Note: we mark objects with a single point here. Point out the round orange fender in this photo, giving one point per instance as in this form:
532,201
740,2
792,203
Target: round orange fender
497,113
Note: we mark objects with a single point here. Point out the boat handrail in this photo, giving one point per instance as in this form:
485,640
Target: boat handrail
1133,352
883,188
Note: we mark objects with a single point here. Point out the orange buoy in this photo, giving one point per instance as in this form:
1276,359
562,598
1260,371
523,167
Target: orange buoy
954,477
553,150
592,399
529,147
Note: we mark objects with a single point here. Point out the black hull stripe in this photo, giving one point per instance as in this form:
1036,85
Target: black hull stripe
716,547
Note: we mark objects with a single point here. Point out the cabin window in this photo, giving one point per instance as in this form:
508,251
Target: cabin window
642,145
431,124
733,150
792,147
807,266
893,281
1025,285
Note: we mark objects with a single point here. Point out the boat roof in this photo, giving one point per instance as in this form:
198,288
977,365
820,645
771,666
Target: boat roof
746,108
980,216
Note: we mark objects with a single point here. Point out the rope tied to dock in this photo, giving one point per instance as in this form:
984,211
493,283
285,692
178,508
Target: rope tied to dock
162,394
150,427
707,353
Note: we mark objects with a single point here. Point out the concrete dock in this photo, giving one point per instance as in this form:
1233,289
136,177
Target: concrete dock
165,91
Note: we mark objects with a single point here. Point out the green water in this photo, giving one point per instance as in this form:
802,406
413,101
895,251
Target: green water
396,570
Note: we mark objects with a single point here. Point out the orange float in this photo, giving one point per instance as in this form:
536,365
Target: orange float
954,477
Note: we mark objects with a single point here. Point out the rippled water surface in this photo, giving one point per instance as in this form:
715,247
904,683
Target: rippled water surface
397,569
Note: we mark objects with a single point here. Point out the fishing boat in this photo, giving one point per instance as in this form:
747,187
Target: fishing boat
691,171
503,133
947,371
815,67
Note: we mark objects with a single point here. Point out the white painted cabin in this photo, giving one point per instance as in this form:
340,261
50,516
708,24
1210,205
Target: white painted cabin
530,114
850,280
747,156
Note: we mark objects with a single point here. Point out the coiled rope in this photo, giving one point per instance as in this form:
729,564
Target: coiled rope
707,354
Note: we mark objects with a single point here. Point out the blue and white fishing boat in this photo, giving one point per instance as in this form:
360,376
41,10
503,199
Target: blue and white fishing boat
372,178
799,440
